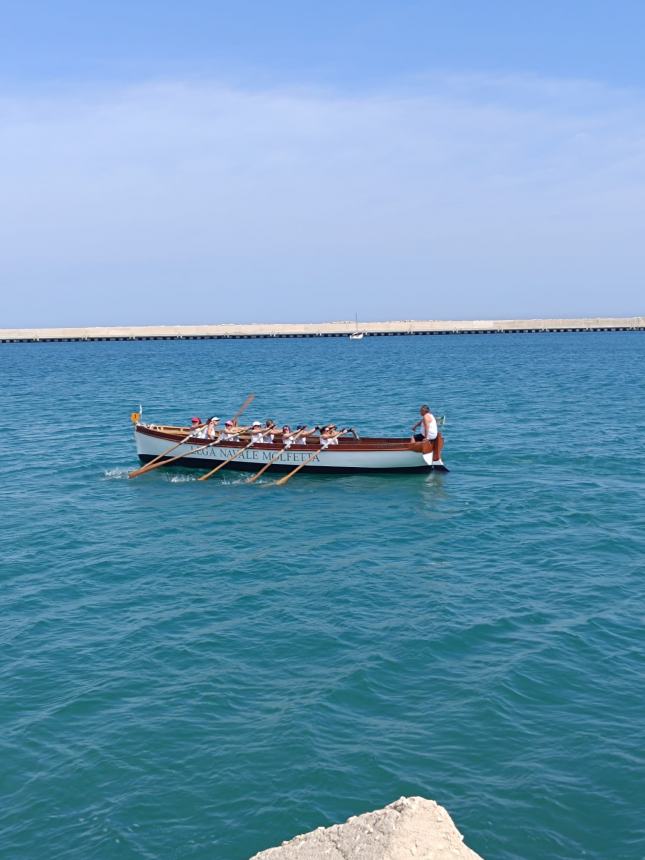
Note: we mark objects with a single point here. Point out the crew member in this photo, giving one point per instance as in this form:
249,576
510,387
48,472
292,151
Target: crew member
257,436
287,436
428,425
230,432
329,436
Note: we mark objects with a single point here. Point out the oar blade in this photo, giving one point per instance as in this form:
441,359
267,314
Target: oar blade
245,405
159,459
253,478
136,472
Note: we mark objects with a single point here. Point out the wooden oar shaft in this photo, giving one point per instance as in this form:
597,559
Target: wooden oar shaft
179,456
224,462
244,406
190,453
159,459
230,459
277,456
282,481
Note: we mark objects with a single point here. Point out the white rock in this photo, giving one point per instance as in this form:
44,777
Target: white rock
411,828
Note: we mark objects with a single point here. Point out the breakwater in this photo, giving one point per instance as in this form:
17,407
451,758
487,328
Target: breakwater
327,329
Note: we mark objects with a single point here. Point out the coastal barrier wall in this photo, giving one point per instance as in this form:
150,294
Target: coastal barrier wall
328,329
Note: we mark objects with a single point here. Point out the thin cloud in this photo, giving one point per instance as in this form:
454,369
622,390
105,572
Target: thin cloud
461,197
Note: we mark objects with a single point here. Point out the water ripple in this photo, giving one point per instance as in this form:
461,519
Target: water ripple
200,669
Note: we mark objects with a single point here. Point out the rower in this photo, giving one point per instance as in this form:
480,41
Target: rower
257,436
428,424
328,435
199,428
269,425
230,432
302,439
202,433
211,431
287,436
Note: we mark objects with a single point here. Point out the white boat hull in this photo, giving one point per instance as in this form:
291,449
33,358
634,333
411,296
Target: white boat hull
356,457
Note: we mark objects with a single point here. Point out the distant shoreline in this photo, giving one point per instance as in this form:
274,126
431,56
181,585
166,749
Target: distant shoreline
328,329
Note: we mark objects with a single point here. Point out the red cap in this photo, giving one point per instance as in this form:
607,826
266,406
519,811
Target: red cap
195,420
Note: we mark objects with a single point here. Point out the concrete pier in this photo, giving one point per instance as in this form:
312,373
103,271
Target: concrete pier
328,329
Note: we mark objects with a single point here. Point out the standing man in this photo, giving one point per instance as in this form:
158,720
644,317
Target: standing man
428,424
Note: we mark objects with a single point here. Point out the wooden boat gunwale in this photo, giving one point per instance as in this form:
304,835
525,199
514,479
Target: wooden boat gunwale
372,443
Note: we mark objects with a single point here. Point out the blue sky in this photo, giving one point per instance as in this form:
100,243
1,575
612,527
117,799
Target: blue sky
209,162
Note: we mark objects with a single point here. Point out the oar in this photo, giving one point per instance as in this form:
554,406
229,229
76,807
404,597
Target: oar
235,456
224,462
277,456
244,406
290,475
154,464
198,448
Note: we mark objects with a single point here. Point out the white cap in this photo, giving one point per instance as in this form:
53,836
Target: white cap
256,424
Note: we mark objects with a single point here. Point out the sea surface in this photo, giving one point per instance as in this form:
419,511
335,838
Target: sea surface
201,670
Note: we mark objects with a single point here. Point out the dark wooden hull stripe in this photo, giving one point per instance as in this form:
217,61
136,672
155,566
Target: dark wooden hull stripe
187,462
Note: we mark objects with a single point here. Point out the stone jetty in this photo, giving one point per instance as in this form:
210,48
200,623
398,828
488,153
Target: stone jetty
328,329
411,828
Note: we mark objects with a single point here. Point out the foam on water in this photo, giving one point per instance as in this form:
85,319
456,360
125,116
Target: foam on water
116,473
194,670
179,479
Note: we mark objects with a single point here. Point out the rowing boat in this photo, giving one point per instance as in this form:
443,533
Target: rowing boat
350,455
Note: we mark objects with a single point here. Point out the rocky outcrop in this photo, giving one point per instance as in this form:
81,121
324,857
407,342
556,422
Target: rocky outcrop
411,828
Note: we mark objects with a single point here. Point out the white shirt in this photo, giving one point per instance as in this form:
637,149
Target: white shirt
429,427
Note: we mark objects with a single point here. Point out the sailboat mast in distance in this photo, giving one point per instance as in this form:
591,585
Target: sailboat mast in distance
356,334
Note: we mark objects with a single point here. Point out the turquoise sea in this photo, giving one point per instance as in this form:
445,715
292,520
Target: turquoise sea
201,670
